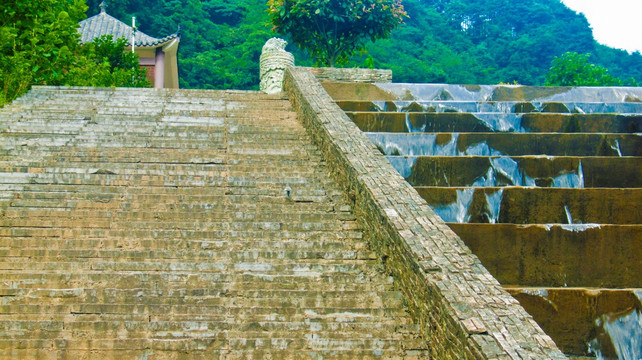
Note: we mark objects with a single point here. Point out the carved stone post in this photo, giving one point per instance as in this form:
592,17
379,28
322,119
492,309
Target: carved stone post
274,61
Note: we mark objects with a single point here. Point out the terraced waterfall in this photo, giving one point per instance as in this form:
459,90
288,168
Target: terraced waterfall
544,186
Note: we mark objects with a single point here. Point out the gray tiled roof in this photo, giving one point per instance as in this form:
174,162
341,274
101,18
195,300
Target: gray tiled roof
105,24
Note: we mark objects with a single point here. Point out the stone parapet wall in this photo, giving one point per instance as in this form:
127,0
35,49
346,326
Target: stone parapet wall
352,75
462,310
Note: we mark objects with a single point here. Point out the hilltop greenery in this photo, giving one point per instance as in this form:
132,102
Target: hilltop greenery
453,41
39,44
334,30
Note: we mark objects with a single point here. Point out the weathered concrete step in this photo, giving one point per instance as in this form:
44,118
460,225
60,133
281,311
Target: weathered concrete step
182,329
317,345
232,192
379,327
541,171
178,225
8,256
51,354
512,144
224,211
226,298
492,106
367,280
420,92
574,317
187,193
252,185
293,267
199,310
557,255
195,130
133,285
488,122
518,205
163,170
260,242
127,235
66,285
160,155
217,200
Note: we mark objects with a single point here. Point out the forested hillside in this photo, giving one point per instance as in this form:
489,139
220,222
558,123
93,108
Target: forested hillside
453,41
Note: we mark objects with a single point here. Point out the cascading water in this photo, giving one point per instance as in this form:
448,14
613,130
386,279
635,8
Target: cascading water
403,164
616,147
625,333
493,203
458,210
569,217
502,122
412,129
571,180
426,145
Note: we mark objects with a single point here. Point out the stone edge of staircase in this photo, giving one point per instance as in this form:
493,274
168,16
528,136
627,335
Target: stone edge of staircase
463,312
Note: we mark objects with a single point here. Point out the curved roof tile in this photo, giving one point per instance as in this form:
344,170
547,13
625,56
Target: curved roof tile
105,24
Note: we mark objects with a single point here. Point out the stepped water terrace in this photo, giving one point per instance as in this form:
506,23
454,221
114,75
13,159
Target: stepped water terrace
543,184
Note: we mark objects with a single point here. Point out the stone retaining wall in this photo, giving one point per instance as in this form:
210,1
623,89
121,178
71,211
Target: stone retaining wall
352,75
462,310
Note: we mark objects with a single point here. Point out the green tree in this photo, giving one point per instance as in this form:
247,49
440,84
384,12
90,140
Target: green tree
333,30
573,69
38,41
40,44
118,66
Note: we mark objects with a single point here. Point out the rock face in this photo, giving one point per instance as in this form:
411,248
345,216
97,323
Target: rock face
274,61
155,224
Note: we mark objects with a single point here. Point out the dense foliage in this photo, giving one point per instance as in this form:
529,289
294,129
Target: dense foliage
37,43
333,30
40,45
454,41
492,41
573,69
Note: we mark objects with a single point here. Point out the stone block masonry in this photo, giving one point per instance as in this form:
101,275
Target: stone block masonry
352,75
463,312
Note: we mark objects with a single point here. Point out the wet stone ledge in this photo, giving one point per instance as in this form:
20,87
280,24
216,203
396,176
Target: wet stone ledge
352,75
462,310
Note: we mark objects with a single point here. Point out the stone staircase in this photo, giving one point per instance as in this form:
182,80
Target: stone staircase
140,224
543,184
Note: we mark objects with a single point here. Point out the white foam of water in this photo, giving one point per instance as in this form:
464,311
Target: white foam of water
569,218
426,145
616,147
411,129
625,333
458,210
502,122
403,164
572,180
508,168
579,227
381,105
493,204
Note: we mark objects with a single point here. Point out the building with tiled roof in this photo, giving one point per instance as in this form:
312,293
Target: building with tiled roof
157,56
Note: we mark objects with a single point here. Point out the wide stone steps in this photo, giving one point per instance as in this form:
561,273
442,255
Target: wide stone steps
542,171
542,183
519,205
516,144
166,230
492,107
489,122
557,254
